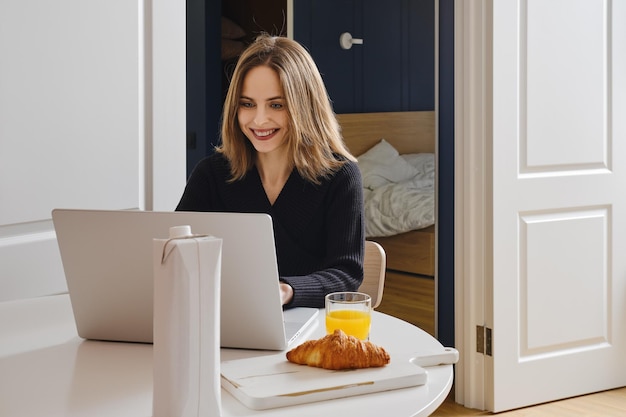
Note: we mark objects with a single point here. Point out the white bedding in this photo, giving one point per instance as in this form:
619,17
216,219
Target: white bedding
399,190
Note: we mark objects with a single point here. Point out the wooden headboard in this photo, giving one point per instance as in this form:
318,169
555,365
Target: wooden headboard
408,132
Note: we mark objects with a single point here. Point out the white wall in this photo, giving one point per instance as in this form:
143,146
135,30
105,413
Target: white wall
92,115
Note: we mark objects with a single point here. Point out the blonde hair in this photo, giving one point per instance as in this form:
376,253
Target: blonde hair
315,143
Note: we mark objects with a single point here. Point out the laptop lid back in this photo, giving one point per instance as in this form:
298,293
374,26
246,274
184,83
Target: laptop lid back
107,258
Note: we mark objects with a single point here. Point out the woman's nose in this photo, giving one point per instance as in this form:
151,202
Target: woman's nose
260,116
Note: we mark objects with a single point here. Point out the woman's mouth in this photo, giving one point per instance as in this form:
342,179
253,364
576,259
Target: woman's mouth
264,134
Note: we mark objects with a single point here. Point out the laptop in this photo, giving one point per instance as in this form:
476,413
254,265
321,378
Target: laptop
107,259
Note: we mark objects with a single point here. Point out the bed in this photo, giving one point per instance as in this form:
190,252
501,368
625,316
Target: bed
396,152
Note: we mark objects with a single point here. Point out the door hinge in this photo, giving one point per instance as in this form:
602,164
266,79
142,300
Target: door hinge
483,340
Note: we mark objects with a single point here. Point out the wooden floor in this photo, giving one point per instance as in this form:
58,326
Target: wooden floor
412,299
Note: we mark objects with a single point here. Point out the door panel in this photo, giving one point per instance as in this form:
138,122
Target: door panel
92,115
572,278
558,155
563,80
71,109
71,131
559,158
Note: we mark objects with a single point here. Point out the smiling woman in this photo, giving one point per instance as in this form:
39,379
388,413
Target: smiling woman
282,153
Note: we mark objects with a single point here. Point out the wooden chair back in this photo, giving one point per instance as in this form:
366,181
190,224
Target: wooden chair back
374,266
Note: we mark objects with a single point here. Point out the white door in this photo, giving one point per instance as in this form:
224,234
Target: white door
92,115
554,203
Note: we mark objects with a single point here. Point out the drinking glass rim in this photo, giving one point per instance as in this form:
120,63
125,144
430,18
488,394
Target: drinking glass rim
360,297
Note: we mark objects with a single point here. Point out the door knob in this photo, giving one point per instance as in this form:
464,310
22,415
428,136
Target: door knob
346,40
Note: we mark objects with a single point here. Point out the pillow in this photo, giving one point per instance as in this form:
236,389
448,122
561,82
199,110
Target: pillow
423,162
383,165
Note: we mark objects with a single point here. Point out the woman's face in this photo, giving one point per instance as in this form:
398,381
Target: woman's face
262,112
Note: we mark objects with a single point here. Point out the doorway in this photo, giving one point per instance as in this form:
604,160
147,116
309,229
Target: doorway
205,78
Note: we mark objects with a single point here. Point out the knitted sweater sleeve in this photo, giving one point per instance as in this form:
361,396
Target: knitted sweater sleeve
345,233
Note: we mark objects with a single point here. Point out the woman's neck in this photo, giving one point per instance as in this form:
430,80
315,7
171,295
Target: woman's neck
274,173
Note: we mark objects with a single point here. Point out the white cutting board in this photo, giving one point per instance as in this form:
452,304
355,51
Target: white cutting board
271,381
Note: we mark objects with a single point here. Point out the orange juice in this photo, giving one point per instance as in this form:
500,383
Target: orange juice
352,322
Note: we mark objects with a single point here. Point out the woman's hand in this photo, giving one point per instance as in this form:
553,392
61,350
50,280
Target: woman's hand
286,293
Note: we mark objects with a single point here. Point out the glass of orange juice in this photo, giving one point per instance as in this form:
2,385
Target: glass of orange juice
350,312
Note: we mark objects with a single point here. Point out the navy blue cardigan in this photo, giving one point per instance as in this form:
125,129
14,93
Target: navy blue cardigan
318,229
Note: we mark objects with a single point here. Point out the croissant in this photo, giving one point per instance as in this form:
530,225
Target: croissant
339,351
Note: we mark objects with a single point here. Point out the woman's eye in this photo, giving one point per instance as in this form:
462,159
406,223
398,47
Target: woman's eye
277,106
246,104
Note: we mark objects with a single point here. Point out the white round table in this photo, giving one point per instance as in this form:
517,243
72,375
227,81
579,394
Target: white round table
46,369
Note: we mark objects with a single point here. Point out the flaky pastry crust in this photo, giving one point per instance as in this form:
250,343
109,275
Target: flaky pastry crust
339,351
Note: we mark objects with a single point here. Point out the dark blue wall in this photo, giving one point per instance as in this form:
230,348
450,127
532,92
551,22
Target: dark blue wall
204,79
445,216
394,68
